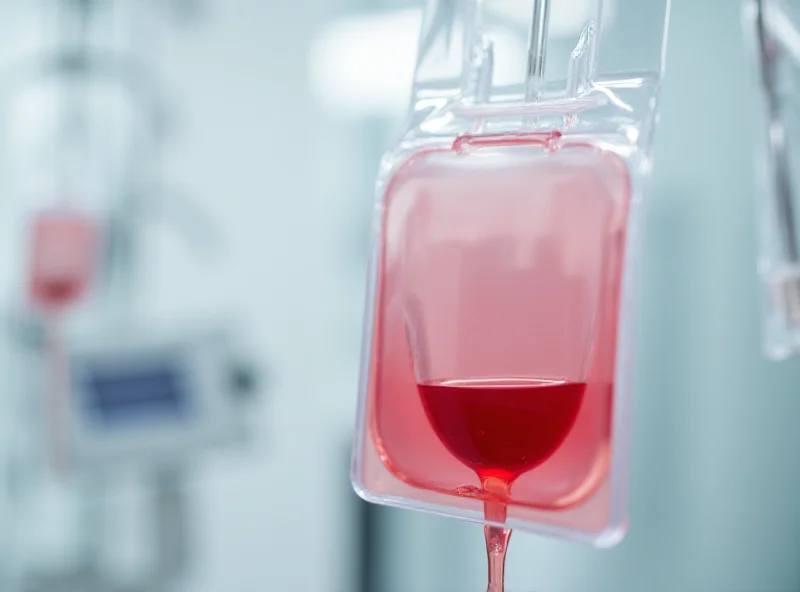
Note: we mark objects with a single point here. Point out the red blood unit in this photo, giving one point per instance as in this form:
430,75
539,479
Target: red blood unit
62,259
495,327
499,342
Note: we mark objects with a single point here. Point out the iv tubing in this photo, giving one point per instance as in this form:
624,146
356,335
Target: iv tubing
58,394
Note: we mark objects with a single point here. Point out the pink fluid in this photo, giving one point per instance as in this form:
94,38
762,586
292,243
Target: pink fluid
62,259
495,328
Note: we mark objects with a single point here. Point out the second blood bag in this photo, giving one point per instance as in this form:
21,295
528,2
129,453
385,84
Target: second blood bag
498,356
63,258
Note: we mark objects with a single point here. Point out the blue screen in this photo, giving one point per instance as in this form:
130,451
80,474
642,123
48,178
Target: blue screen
144,393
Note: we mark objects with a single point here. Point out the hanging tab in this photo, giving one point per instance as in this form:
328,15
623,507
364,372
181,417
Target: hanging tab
484,82
580,69
486,72
479,72
580,63
473,58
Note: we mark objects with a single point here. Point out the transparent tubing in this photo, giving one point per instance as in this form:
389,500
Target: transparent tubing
57,407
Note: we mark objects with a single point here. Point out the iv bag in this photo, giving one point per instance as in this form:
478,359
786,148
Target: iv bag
63,258
66,145
498,345
773,29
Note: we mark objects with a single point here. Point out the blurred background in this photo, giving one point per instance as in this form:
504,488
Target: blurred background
206,169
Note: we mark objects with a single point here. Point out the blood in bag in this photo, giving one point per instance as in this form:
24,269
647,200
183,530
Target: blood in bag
498,350
62,258
502,428
495,326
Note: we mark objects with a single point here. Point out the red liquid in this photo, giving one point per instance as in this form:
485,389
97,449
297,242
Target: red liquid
56,292
502,429
62,259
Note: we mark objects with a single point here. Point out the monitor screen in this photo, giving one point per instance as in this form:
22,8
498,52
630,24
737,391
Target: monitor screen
145,392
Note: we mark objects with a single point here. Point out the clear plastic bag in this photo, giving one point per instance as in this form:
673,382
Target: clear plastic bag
498,348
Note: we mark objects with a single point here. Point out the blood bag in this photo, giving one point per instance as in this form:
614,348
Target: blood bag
498,346
62,258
